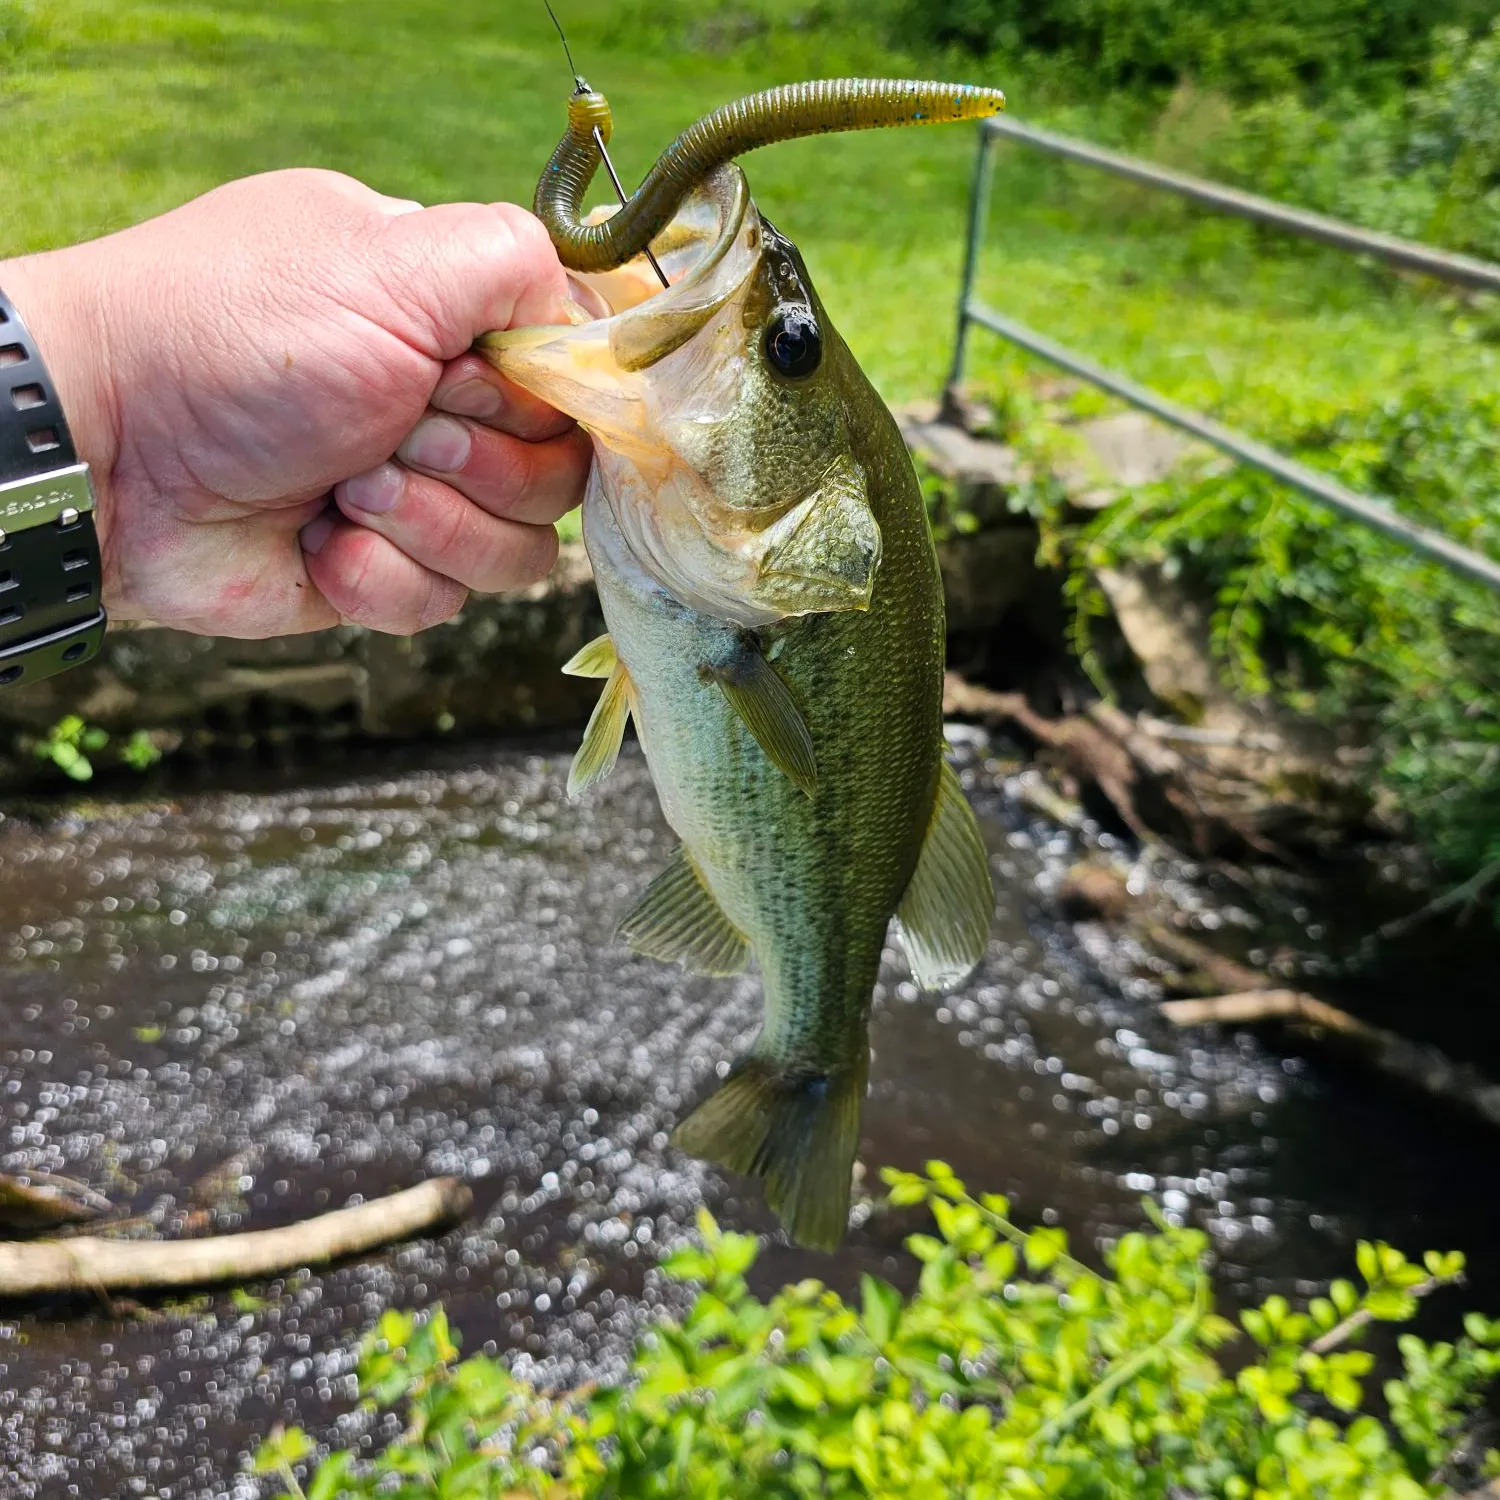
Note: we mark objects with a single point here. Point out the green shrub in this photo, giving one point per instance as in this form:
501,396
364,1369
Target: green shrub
1424,164
1013,1370
1336,621
1246,47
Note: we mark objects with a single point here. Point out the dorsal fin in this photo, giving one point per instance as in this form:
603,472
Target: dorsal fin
767,709
678,921
946,911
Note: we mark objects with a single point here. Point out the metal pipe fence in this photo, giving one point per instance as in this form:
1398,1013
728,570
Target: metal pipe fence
1368,510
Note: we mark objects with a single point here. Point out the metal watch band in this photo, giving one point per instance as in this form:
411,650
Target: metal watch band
50,614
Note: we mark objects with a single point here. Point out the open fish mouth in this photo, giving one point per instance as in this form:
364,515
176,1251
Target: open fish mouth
697,445
626,322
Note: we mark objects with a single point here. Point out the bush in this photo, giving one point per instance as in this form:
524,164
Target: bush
1425,164
1243,46
1013,1370
1335,620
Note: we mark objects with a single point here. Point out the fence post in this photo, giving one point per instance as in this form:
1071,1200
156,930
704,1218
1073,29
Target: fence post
979,216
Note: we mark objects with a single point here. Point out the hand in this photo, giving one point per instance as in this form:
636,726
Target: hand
272,388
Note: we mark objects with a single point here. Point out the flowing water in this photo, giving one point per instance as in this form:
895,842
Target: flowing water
397,973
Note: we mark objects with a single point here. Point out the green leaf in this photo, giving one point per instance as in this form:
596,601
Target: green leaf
1344,1297
283,1447
331,1476
1043,1246
799,1386
881,1304
688,1264
1391,1306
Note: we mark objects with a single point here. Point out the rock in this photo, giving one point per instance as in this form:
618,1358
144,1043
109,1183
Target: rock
1167,633
1092,892
495,668
982,471
1121,451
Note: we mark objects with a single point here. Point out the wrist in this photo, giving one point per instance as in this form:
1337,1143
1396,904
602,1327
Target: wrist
62,305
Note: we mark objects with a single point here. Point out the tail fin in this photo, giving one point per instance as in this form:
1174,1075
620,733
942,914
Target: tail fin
797,1132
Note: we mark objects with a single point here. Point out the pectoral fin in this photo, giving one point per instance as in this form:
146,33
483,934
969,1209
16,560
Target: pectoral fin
767,709
606,728
945,913
597,659
824,553
678,921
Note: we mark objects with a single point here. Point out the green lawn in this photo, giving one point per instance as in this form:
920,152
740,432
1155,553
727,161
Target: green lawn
118,110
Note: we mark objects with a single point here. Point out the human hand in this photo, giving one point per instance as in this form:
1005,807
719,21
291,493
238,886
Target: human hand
272,387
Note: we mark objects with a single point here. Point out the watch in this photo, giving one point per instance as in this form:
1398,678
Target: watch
51,617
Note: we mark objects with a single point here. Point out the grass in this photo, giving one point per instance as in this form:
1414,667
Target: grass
118,111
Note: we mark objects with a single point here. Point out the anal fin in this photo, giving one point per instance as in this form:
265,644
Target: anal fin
946,911
678,921
606,729
797,1132
767,709
597,659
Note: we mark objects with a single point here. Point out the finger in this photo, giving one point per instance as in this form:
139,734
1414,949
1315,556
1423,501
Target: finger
371,582
457,270
535,482
472,387
437,527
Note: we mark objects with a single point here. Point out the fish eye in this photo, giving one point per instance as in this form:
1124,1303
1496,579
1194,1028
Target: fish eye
793,344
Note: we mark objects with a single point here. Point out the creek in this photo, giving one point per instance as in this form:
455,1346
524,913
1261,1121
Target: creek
355,977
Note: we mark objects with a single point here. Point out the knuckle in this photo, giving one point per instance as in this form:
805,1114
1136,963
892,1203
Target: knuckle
445,597
527,232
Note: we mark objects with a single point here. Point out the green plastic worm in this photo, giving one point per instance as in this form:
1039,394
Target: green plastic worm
781,114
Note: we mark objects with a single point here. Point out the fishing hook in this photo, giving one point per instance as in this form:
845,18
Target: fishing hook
580,87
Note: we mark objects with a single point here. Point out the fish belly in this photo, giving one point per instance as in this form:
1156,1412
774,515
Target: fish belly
811,882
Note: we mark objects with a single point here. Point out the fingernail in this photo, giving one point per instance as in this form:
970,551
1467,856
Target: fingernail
374,491
472,398
437,443
316,532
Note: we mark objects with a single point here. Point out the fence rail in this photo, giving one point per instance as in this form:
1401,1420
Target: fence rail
1368,510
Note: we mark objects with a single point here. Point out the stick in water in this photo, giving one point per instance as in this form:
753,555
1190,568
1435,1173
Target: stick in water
90,1264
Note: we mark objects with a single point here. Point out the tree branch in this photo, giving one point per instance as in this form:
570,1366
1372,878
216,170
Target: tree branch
91,1264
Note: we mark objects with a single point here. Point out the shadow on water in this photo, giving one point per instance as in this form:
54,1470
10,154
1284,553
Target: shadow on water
403,972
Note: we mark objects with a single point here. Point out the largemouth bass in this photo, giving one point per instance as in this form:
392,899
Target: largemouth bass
775,619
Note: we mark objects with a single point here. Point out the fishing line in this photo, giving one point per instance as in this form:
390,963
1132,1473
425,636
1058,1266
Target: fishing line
582,88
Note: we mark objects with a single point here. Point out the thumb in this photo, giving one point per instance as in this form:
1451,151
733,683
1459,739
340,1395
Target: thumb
458,270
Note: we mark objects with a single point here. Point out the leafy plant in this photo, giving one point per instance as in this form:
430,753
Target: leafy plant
68,743
1246,46
1013,1370
65,745
1338,622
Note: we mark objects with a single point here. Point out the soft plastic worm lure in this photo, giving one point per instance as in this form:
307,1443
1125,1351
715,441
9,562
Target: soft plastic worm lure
780,114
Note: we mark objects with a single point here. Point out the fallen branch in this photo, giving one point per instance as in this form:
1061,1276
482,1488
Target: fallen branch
1466,894
1413,1063
91,1264
1222,972
1153,787
1255,1006
32,1199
